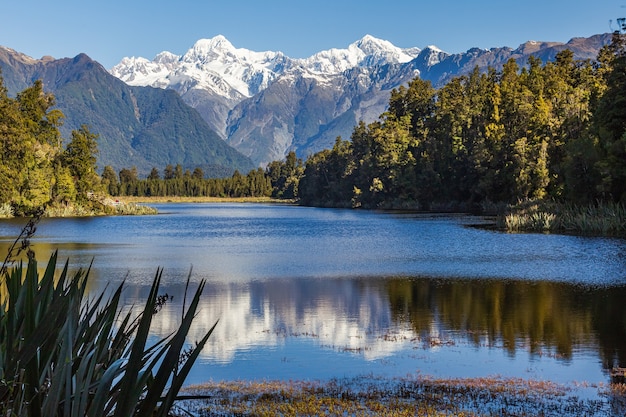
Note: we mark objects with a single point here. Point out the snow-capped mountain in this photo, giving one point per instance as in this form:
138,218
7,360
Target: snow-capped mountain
366,52
215,65
215,77
266,104
211,64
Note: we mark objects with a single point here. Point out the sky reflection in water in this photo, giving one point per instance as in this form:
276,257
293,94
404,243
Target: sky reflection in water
319,293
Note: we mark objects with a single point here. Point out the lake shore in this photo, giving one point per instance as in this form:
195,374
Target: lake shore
177,199
408,396
599,219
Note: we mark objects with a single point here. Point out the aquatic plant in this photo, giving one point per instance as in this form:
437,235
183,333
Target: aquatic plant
98,208
6,210
601,218
409,396
65,354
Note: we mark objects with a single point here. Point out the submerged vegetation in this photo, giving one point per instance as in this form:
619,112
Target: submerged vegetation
410,396
64,353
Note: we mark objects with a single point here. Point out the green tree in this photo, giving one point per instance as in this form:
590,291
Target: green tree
128,176
80,158
610,121
64,190
154,174
198,173
178,171
110,180
285,176
168,172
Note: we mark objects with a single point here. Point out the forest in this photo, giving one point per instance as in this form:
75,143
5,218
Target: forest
552,131
541,132
545,132
36,169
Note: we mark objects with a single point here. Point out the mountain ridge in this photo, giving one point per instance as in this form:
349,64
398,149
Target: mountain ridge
256,101
143,127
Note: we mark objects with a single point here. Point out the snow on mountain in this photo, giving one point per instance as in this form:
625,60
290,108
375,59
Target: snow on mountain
139,71
212,64
234,89
266,104
366,52
430,56
216,66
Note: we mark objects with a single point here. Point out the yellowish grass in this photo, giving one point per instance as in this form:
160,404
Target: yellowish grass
174,199
411,396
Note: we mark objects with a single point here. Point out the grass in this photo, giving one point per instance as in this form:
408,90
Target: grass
600,219
409,396
6,211
175,199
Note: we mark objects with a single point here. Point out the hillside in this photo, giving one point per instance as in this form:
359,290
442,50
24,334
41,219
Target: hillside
266,104
138,126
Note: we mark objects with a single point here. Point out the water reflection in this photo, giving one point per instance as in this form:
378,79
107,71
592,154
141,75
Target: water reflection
315,293
405,320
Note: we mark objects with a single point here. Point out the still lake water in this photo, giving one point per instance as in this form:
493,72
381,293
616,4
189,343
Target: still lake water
308,293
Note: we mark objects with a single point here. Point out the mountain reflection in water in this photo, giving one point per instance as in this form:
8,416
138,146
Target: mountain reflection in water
306,293
400,325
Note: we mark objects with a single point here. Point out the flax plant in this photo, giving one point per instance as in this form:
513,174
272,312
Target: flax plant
63,353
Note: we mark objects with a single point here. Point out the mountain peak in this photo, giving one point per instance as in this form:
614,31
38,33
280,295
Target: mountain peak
371,45
216,42
209,49
366,52
166,57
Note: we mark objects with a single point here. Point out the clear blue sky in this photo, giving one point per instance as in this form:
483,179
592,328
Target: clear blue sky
109,30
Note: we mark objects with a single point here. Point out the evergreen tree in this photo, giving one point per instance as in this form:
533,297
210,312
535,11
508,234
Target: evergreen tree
110,180
80,158
198,173
154,174
610,122
168,172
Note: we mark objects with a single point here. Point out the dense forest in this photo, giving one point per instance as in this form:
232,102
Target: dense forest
546,131
553,131
36,169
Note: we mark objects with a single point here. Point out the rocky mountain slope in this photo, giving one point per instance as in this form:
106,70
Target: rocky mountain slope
266,104
143,127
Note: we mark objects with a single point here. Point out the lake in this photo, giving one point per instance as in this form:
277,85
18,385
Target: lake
310,293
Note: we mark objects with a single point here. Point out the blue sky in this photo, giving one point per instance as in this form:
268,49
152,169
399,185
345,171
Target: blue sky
109,30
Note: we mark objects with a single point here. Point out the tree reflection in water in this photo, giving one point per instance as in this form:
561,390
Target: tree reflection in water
535,314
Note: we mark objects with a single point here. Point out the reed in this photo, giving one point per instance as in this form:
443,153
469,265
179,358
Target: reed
6,211
63,353
97,209
601,218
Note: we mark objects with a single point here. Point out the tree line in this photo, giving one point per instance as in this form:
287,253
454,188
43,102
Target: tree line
553,131
541,131
278,180
176,182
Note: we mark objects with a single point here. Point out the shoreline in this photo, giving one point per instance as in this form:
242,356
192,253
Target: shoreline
177,199
370,395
